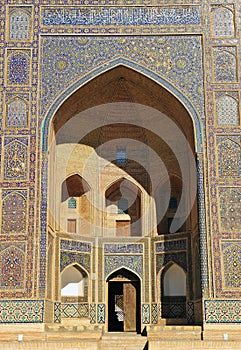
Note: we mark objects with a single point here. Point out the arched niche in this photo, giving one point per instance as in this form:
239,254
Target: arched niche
227,110
123,207
174,281
173,293
167,199
89,119
75,207
74,284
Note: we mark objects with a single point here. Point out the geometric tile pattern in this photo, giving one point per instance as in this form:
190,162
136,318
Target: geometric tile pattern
18,67
173,308
154,313
123,248
224,63
231,258
68,58
74,310
190,312
14,213
222,19
146,317
202,221
222,311
113,262
227,110
15,161
229,157
57,312
92,313
21,311
178,258
101,313
67,258
19,28
12,265
230,208
17,111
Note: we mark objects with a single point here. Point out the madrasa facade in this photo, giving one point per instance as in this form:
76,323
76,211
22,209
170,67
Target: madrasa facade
120,165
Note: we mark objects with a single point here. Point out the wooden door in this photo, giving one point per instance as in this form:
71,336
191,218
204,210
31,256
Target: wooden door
129,298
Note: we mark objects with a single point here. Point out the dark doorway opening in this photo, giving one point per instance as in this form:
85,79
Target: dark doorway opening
124,302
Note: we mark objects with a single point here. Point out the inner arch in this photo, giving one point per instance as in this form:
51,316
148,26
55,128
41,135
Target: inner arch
125,68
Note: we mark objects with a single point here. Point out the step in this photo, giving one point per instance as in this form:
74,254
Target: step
174,332
123,341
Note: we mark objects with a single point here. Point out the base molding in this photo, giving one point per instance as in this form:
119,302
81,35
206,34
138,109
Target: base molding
220,332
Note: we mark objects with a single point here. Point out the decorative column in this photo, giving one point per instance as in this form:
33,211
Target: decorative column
202,224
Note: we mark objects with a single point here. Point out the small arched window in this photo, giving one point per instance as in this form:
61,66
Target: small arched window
173,203
74,282
72,203
123,206
121,155
174,281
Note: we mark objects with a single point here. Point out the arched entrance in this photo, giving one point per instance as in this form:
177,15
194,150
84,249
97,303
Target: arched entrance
123,302
89,141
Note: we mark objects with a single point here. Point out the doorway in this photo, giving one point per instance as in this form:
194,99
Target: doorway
123,302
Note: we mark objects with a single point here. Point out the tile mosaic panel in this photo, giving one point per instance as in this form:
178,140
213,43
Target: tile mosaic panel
227,110
17,110
190,312
19,23
15,160
154,313
230,209
21,311
92,313
74,310
167,246
43,210
229,156
222,20
14,211
66,59
12,268
173,308
120,16
67,258
101,313
18,63
76,246
231,261
202,221
179,258
225,64
57,312
114,262
123,248
146,314
222,311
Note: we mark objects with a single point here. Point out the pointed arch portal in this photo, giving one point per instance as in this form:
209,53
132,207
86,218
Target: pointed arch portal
116,63
77,144
124,302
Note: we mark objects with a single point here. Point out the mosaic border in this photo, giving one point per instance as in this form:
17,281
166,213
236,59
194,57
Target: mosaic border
222,311
21,311
115,16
